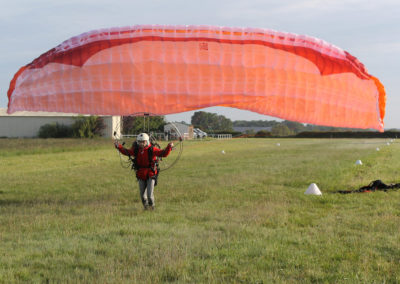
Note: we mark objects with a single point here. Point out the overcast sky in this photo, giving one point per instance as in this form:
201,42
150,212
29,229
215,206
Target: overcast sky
369,30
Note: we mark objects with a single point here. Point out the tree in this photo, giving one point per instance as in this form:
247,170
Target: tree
138,124
281,130
211,122
224,124
84,126
200,119
294,126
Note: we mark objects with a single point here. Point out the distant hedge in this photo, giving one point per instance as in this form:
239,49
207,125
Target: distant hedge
83,127
348,134
263,134
55,130
327,134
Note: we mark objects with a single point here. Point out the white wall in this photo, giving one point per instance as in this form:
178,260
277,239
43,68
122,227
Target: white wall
28,126
112,124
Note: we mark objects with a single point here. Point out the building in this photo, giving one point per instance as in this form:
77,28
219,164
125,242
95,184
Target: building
25,124
185,130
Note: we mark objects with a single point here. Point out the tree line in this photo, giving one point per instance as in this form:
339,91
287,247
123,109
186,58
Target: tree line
213,123
92,126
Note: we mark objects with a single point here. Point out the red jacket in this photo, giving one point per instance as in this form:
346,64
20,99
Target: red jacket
145,170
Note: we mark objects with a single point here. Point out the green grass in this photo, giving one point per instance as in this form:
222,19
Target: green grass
70,213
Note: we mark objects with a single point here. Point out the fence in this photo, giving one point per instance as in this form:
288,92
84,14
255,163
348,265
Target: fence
161,136
221,136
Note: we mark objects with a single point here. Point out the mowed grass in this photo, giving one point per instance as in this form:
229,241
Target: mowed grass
70,213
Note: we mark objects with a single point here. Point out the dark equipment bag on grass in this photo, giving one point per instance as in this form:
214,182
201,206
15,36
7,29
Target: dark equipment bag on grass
373,186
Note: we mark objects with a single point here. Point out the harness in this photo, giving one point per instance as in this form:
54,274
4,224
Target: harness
153,165
373,186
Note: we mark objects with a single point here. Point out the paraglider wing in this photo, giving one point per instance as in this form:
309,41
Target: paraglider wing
172,69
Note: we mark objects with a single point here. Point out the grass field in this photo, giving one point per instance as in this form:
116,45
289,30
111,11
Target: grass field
70,213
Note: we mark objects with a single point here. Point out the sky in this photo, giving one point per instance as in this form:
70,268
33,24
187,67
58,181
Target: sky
367,29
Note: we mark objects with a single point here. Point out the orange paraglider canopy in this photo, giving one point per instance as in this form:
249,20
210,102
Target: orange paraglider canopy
171,69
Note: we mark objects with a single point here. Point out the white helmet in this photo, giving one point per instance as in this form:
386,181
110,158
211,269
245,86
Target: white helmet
143,137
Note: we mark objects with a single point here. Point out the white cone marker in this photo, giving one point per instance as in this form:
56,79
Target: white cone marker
313,190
